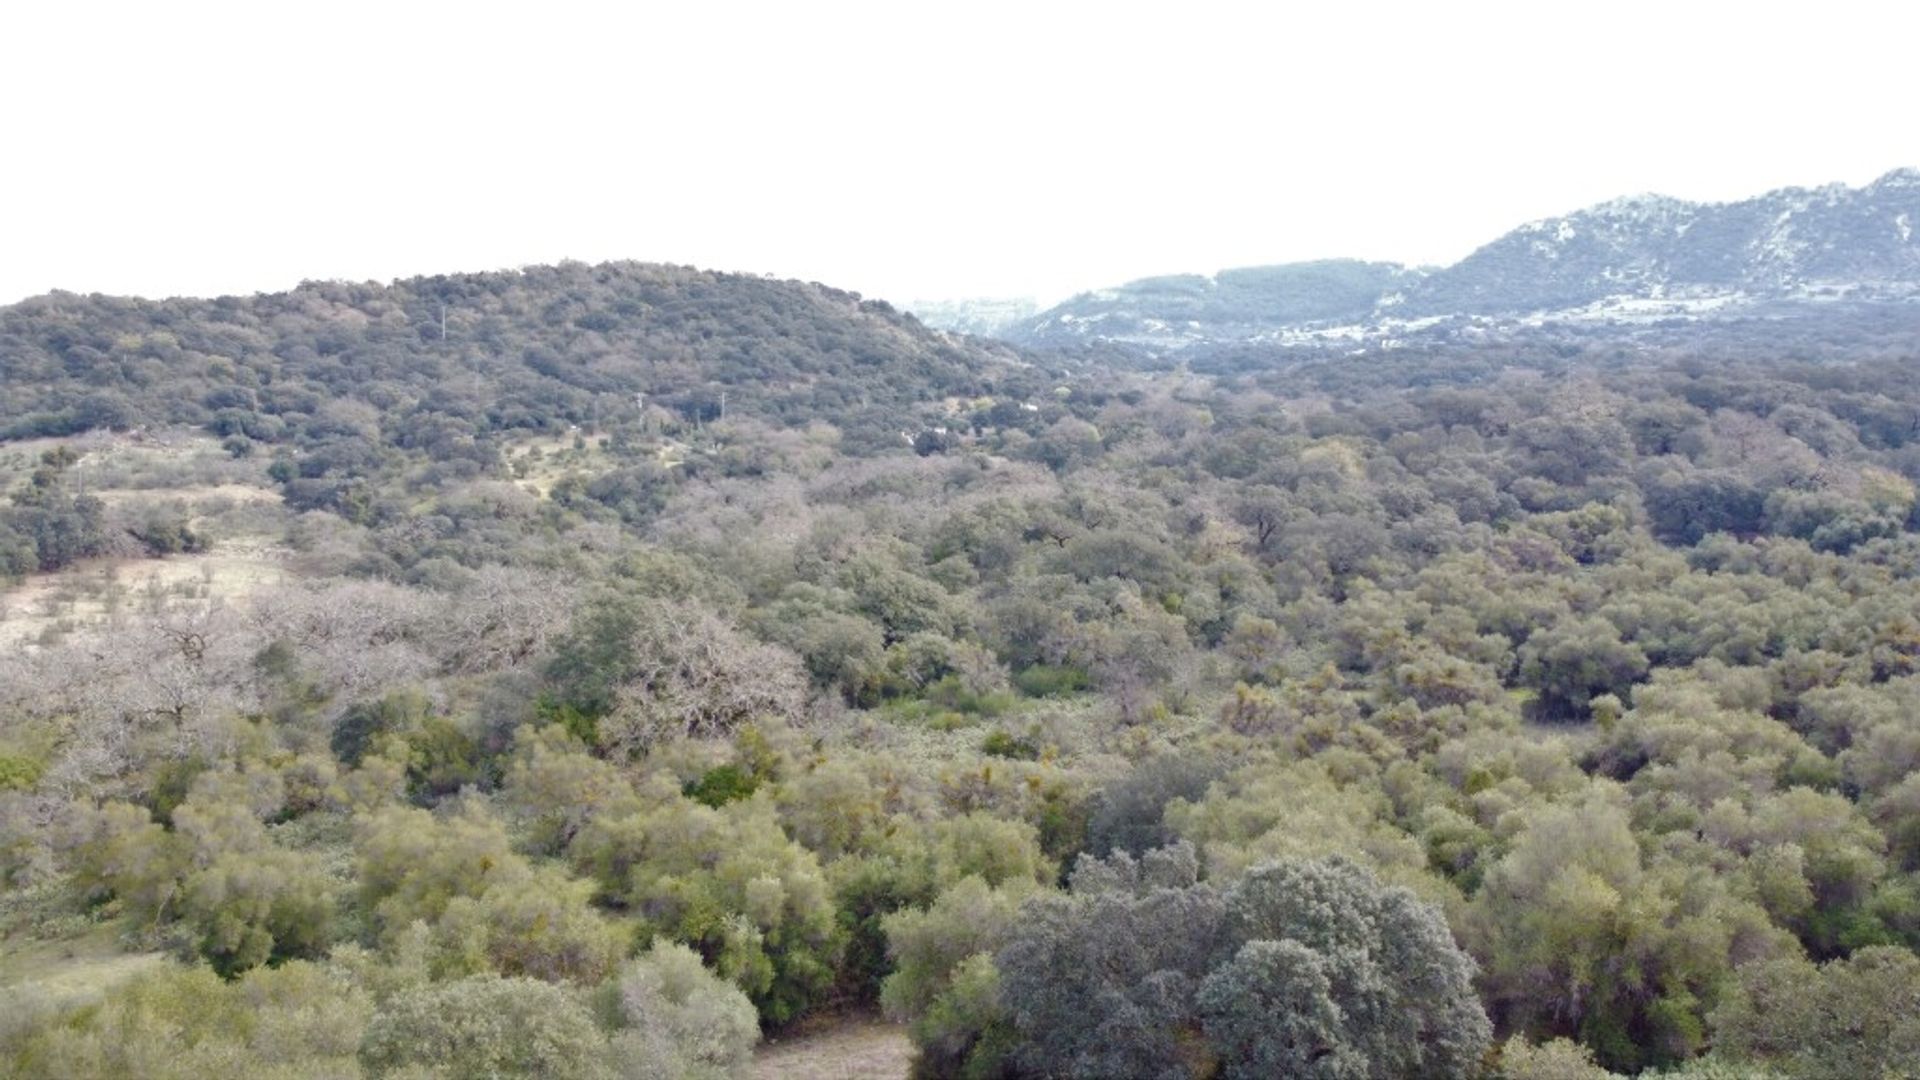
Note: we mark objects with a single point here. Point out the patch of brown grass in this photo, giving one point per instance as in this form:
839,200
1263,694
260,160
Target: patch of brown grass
92,593
845,1048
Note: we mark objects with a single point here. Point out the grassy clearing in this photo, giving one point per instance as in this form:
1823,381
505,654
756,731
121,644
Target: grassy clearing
176,460
52,956
196,496
93,593
230,500
857,1048
69,971
540,462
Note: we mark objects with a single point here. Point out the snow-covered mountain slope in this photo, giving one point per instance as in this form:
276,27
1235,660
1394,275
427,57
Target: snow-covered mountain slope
1789,244
1630,260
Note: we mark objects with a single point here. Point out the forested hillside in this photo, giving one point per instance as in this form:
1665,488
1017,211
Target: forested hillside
475,355
1533,710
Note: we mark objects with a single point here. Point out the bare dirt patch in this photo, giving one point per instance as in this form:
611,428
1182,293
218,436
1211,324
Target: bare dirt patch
853,1048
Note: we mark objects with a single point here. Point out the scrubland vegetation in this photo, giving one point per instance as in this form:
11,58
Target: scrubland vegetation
653,661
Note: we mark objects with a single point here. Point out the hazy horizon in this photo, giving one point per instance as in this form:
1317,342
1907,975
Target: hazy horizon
941,153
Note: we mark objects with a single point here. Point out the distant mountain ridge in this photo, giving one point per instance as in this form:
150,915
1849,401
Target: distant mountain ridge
1785,244
984,316
1647,256
1247,302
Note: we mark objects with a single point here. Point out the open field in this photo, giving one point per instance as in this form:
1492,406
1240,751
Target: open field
93,592
50,957
225,499
540,462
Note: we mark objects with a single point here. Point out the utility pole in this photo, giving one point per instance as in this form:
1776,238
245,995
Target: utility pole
723,406
443,320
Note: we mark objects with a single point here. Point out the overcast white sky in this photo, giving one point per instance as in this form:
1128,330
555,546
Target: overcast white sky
907,150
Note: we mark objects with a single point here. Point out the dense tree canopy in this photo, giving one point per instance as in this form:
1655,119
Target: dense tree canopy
657,658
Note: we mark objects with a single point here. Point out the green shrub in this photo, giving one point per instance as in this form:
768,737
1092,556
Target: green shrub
1046,680
287,1023
19,773
721,785
1000,743
680,1020
730,883
487,1026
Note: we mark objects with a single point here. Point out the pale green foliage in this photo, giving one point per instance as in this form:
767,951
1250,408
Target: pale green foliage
287,1023
407,963
246,900
556,786
379,781
1779,876
964,1030
926,946
487,1027
680,1019
412,864
1294,811
1858,1017
833,808
994,849
984,864
312,782
249,907
1571,899
119,849
539,923
1555,1059
487,908
1317,601
730,882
